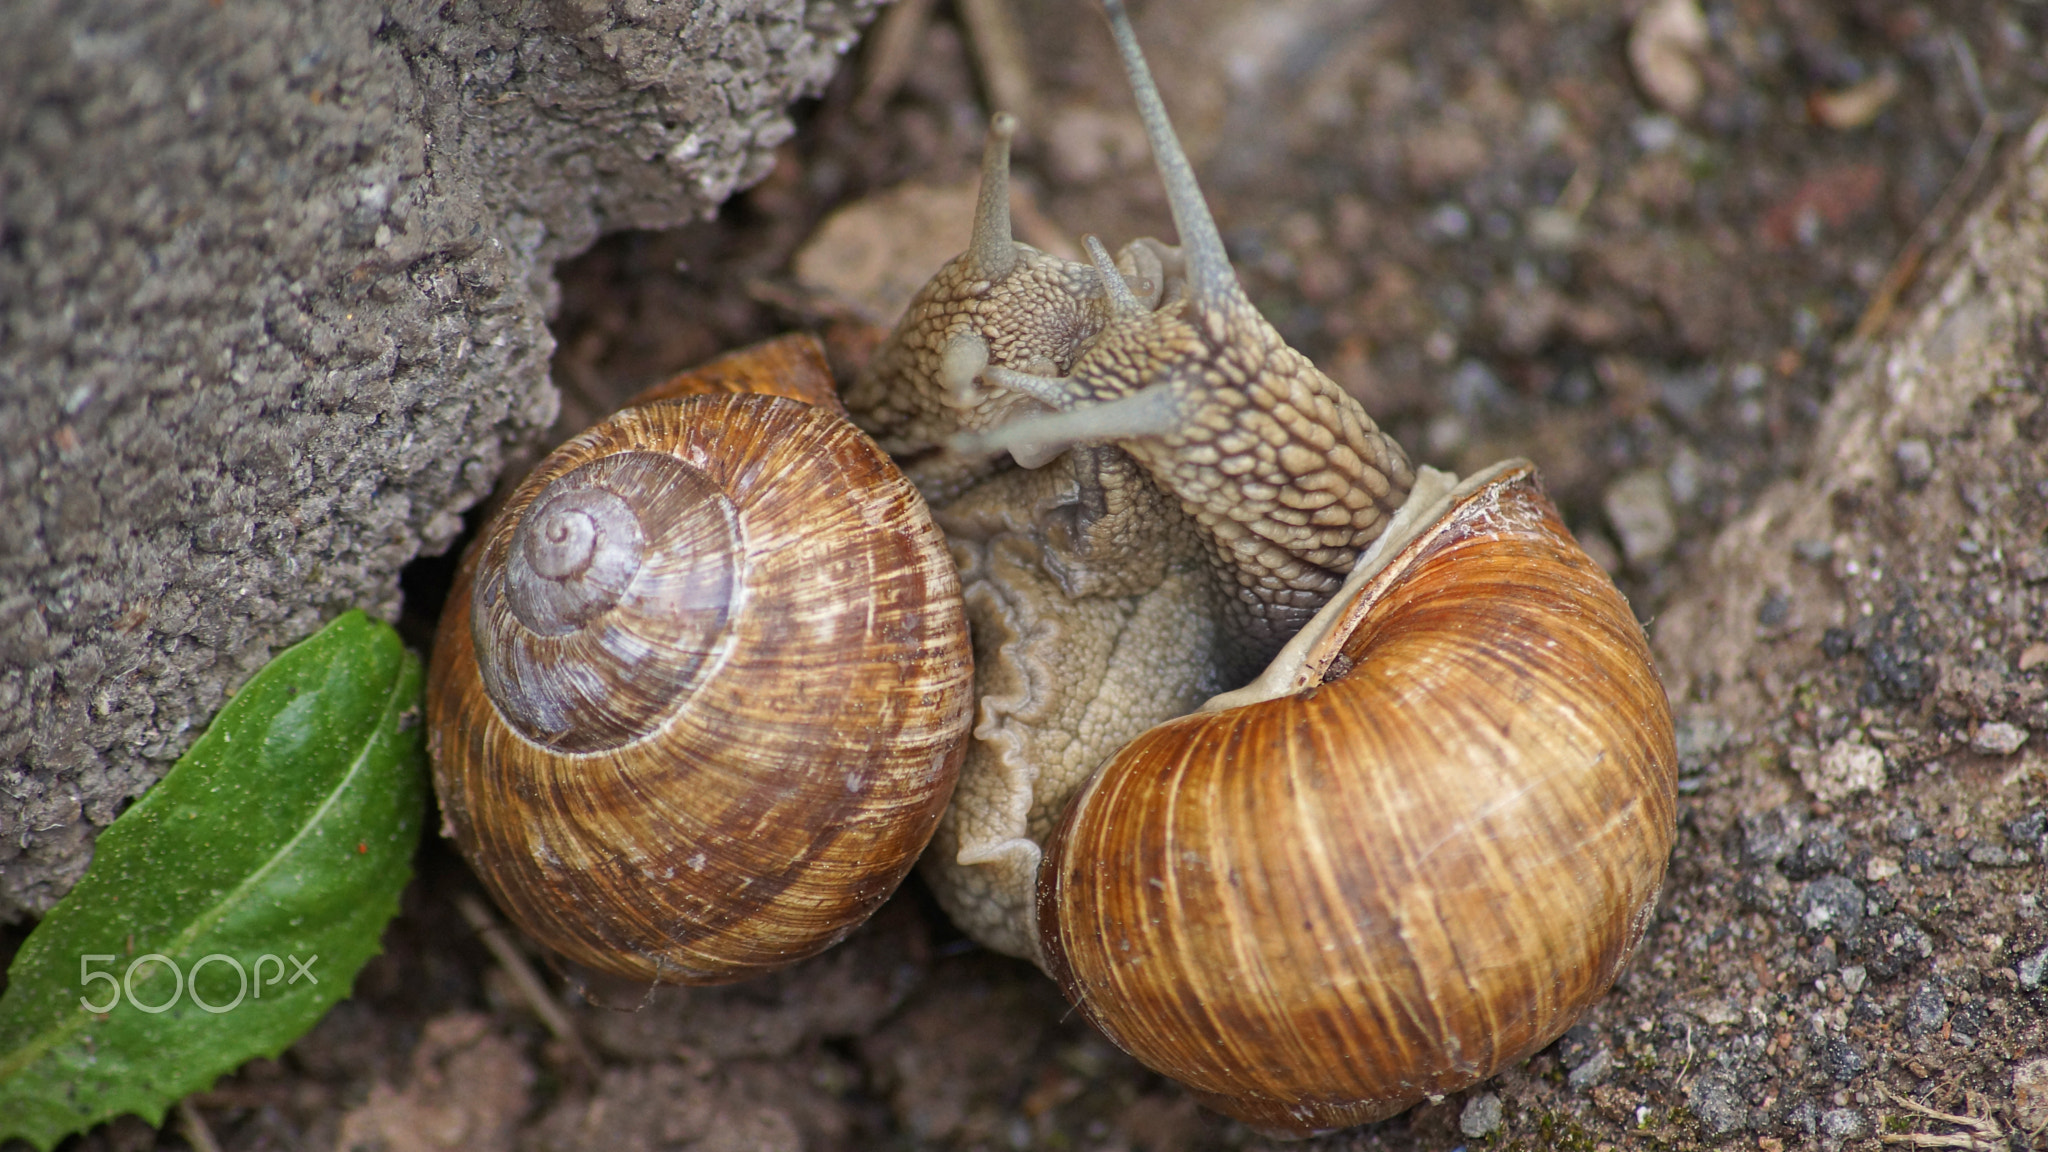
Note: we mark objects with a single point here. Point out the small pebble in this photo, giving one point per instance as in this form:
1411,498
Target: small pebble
1814,551
1846,768
1915,462
1905,828
1719,1104
1998,739
1482,1116
1844,1124
2030,1095
2034,971
1926,1011
1638,505
1775,610
1592,1072
2027,831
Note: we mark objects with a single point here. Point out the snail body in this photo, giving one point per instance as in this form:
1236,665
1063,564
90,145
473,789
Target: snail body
699,693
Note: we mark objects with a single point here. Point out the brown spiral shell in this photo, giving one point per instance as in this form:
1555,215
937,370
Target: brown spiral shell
1391,883
701,689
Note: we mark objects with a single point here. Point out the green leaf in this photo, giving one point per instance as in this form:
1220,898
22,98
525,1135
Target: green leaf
276,846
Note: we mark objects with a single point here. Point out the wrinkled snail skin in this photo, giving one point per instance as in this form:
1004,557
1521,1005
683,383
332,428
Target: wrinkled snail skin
700,691
1319,909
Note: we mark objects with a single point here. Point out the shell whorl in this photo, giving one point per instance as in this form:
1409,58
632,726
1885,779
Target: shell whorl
768,710
605,598
574,554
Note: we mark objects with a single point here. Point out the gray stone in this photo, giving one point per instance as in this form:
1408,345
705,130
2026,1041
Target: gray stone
1844,1124
1638,506
1832,905
1927,1010
2029,830
1593,1070
1770,836
1915,461
1998,739
1481,1117
2034,970
1905,828
2030,1095
1719,1105
273,287
1843,1060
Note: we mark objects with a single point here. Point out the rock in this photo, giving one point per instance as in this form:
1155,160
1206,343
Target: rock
1821,851
869,258
1843,1060
1915,462
1638,505
1998,738
1716,1100
275,282
2030,1095
1846,768
1844,1124
1481,1117
1899,945
1593,1071
1905,828
1832,905
2027,831
1998,856
469,1090
2034,971
1769,837
1927,1011
1800,1115
1969,1019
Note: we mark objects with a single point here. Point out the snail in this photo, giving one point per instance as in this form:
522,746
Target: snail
1411,851
1420,844
699,691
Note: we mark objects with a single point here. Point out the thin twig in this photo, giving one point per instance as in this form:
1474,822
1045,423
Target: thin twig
197,1133
892,51
1985,1134
1932,228
1973,80
530,985
1000,58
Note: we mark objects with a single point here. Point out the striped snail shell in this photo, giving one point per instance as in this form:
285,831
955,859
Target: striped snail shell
1426,845
700,691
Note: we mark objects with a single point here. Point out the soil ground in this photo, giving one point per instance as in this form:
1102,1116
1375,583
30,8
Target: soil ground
1477,218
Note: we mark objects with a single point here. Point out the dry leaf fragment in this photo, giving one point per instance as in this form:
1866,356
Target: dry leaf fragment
1664,48
1856,105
